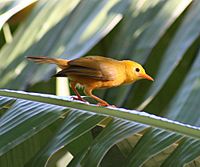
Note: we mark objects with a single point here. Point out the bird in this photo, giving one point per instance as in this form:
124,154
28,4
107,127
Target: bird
95,72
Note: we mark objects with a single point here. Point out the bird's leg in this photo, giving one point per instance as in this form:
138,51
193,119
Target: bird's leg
88,92
73,86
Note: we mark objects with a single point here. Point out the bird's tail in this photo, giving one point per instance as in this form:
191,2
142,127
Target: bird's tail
62,63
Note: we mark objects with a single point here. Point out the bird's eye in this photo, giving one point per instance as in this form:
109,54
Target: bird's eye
137,70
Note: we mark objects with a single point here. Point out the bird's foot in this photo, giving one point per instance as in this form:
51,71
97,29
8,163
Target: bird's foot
106,105
79,98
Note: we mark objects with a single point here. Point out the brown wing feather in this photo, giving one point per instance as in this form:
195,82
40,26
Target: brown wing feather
96,67
81,71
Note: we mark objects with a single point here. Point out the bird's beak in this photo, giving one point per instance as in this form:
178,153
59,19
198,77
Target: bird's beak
146,76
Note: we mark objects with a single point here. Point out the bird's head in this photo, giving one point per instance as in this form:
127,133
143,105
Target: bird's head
136,71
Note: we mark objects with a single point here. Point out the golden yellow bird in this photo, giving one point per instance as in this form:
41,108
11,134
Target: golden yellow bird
96,72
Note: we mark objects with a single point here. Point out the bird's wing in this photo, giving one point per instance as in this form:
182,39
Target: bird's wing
94,67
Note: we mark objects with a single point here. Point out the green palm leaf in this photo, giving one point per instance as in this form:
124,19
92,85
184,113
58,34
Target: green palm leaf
43,108
9,8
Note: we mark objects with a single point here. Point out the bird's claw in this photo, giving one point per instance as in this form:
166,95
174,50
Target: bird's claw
106,105
79,98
